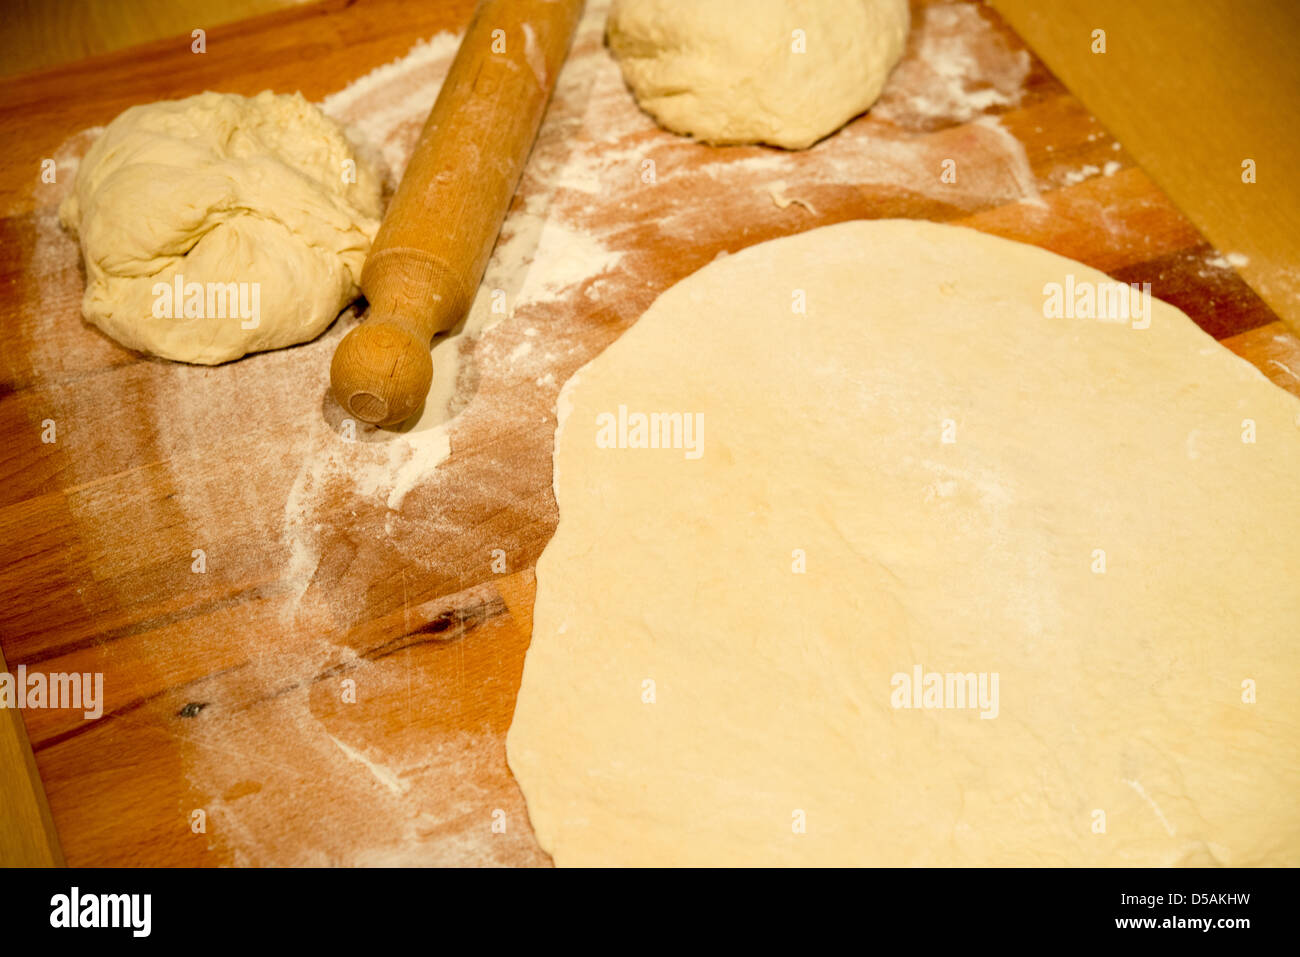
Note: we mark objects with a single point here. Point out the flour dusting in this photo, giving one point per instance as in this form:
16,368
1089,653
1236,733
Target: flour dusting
956,67
1228,261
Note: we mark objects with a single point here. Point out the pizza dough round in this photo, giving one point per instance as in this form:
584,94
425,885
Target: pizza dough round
180,199
757,71
920,470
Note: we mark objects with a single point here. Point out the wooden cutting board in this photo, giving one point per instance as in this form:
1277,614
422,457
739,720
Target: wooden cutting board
334,684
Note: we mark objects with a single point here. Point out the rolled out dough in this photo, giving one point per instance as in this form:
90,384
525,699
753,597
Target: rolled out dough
711,678
783,72
256,211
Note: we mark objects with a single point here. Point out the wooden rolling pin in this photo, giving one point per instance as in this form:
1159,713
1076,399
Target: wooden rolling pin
428,258
27,835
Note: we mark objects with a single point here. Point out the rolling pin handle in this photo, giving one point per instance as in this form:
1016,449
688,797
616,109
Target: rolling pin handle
388,370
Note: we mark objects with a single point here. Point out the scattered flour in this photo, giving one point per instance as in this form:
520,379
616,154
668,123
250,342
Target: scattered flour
384,100
384,775
955,68
1076,176
1017,166
1229,261
564,257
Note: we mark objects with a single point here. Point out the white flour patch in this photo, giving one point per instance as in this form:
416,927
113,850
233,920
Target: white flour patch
1073,177
956,68
564,257
423,456
1225,261
1018,168
990,164
384,775
376,106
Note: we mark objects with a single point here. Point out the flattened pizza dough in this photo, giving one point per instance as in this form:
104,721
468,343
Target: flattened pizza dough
919,472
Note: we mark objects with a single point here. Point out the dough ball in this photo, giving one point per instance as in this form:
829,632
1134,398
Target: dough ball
784,72
265,193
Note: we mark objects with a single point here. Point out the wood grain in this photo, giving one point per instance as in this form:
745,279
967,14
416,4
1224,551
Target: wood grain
352,709
44,33
27,834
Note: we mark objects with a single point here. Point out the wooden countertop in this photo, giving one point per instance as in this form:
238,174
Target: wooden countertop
335,686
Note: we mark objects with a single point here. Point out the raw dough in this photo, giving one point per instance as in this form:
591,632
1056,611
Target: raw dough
221,189
784,72
1120,692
